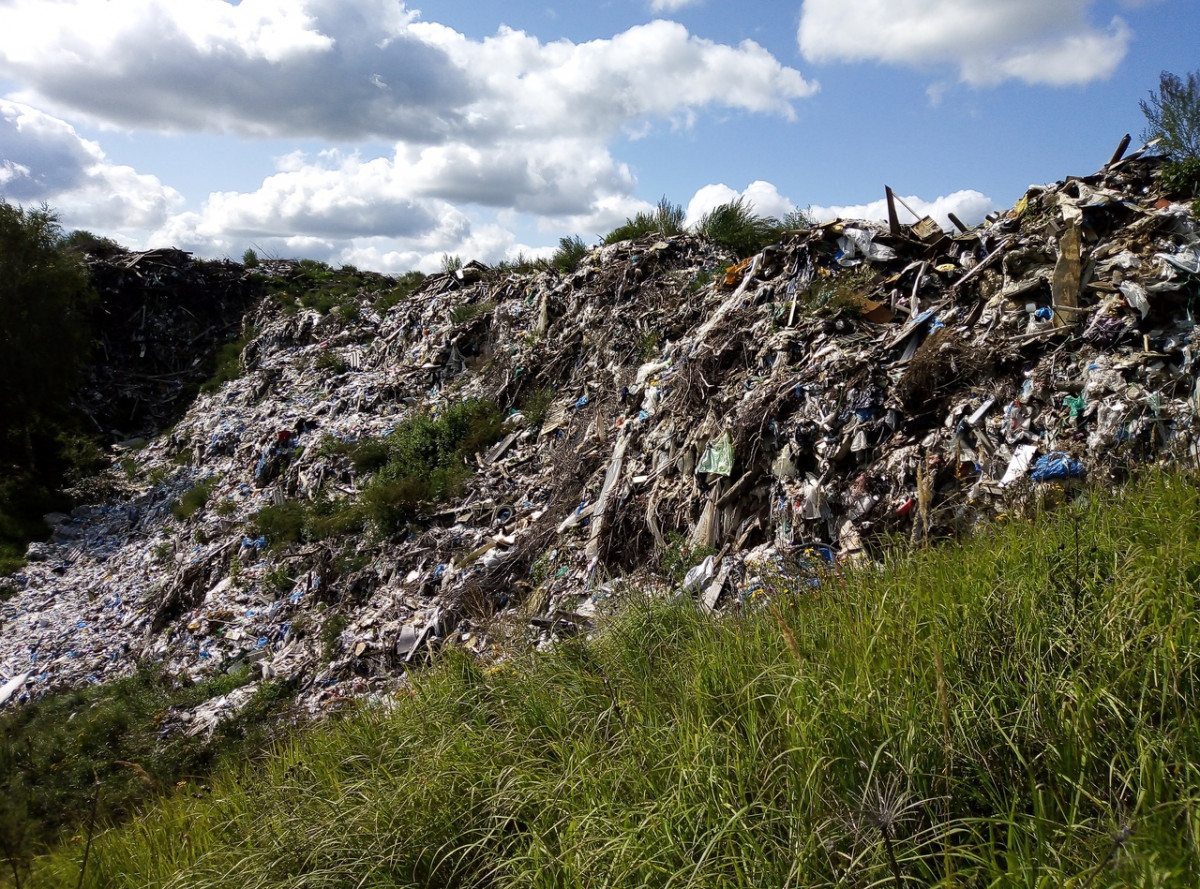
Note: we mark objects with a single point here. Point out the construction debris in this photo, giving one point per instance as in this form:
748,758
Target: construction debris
767,420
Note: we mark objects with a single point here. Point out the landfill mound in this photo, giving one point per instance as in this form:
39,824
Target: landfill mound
670,414
159,318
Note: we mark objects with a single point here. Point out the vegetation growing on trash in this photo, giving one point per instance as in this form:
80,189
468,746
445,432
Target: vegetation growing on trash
422,462
124,735
427,460
194,499
316,285
1173,116
403,288
1017,709
227,363
468,312
681,555
736,227
666,221
569,254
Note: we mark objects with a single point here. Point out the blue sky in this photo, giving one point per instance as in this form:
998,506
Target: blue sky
385,135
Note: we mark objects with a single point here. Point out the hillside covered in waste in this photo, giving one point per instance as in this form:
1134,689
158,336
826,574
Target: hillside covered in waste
490,457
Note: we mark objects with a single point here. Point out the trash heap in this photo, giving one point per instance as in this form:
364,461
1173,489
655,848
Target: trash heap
159,318
675,419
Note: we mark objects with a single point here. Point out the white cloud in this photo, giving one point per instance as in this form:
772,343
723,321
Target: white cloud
670,5
762,197
988,41
352,69
43,158
968,205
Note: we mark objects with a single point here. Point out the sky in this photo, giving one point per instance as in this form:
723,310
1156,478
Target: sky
389,136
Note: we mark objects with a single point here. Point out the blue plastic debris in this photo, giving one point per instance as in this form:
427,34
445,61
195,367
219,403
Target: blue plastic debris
1057,465
581,402
1045,313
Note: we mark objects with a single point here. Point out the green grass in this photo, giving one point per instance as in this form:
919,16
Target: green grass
227,363
423,461
54,751
194,499
1017,710
665,221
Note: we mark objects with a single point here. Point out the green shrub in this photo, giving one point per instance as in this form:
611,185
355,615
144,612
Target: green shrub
666,221
470,311
405,286
536,405
1182,178
735,227
330,631
280,523
250,258
569,254
194,499
227,363
332,361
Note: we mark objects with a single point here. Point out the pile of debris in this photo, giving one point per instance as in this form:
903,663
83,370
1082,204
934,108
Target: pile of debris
159,319
667,406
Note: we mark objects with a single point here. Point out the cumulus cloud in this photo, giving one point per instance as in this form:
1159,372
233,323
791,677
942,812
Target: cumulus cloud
762,197
988,41
968,205
43,158
368,68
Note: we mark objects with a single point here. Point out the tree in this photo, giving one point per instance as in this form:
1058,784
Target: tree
1173,115
45,298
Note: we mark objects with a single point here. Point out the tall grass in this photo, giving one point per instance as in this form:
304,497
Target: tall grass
1017,710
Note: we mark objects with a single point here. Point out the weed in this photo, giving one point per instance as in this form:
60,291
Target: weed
227,363
569,254
194,498
737,228
666,221
536,405
1182,178
1027,735
331,361
470,311
331,632
405,286
279,579
680,555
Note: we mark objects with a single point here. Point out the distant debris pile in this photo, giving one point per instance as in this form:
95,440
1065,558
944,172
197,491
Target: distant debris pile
662,414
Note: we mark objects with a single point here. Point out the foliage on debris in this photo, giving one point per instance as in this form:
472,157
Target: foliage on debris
569,254
424,461
403,288
194,498
736,227
1016,709
665,221
227,363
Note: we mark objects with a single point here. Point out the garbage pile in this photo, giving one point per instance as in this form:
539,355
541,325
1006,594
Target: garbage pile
159,318
676,419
